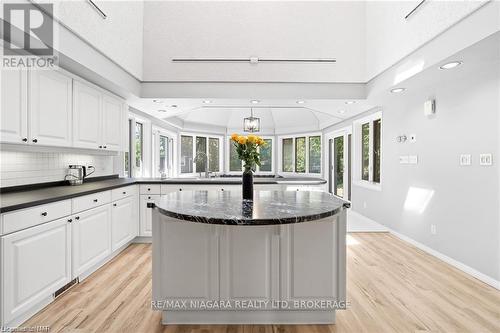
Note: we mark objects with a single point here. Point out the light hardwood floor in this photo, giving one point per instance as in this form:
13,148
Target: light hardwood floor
391,285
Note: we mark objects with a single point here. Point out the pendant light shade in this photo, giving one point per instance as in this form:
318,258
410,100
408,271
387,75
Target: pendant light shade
251,124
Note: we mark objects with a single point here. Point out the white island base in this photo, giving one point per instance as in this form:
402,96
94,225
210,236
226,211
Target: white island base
296,272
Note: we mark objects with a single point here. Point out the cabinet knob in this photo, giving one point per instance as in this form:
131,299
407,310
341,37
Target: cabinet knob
124,192
180,189
25,139
70,220
44,214
104,147
77,217
114,205
35,140
149,189
149,197
95,200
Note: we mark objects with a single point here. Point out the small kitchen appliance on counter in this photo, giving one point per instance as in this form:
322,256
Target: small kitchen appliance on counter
77,173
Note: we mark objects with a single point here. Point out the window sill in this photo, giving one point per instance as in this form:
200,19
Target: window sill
368,185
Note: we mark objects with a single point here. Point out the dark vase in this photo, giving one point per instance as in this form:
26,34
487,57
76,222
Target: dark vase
248,184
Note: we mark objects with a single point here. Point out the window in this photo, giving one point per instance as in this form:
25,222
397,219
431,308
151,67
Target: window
368,153
315,154
287,155
164,154
139,143
235,165
338,152
186,154
301,154
205,154
127,161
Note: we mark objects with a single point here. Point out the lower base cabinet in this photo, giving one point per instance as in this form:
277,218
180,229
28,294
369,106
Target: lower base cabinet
35,263
123,222
146,214
91,239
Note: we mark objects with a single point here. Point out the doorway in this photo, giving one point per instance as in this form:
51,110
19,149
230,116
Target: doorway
339,159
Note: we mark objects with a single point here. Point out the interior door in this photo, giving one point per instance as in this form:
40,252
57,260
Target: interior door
87,110
50,108
112,115
13,100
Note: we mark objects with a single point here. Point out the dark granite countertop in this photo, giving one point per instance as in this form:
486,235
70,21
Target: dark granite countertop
267,208
33,195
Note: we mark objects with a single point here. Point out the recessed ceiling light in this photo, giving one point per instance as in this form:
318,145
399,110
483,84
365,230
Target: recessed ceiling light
161,110
450,65
350,102
341,111
301,102
254,101
157,100
207,101
173,106
397,90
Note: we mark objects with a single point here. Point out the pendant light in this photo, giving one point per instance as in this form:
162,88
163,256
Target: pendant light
251,124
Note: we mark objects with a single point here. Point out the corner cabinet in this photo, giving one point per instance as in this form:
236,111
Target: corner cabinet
91,239
35,263
50,115
98,118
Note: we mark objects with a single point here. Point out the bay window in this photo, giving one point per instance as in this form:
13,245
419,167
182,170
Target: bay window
199,153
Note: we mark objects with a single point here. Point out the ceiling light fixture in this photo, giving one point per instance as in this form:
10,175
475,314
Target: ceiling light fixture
450,65
350,102
251,124
397,90
157,100
173,106
207,101
301,102
254,101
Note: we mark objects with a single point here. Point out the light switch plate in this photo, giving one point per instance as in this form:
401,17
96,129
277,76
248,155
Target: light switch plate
465,159
485,159
403,159
413,159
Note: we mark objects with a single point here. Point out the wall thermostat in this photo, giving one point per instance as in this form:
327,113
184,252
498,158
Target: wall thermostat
430,108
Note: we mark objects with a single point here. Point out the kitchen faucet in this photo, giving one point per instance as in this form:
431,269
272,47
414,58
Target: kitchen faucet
205,157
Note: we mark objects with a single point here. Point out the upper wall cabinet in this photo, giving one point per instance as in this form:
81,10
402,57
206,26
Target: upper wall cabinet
97,118
50,108
14,116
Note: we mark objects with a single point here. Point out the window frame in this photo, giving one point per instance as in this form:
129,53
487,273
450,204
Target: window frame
146,146
194,135
257,171
357,151
341,132
307,172
172,139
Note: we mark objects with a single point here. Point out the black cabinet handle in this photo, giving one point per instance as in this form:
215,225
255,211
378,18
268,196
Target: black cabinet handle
95,200
44,214
124,192
149,197
100,146
77,217
70,220
25,140
104,147
180,189
35,140
114,205
149,189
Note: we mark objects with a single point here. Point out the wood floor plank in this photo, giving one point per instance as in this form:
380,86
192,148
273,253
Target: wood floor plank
392,286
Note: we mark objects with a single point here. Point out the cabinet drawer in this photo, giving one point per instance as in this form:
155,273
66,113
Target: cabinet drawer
29,217
91,201
150,189
123,192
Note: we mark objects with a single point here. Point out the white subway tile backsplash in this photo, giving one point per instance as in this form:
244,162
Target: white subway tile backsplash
22,168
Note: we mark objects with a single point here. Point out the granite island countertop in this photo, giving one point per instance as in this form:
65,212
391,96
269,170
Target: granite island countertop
33,195
267,208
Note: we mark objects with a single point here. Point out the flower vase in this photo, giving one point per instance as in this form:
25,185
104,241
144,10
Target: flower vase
248,184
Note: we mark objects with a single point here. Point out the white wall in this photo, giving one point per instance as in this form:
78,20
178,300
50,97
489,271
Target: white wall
389,37
22,168
265,29
119,36
464,206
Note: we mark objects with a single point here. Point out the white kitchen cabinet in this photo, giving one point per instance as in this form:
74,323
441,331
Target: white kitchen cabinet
13,103
241,250
146,214
87,110
123,226
98,118
112,124
193,252
35,263
50,108
91,239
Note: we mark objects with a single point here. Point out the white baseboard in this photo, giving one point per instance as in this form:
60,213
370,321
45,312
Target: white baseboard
455,263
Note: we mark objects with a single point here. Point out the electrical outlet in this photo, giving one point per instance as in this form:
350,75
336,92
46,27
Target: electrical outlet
433,229
465,159
485,159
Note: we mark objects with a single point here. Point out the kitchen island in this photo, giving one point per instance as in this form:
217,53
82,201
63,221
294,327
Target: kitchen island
220,260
